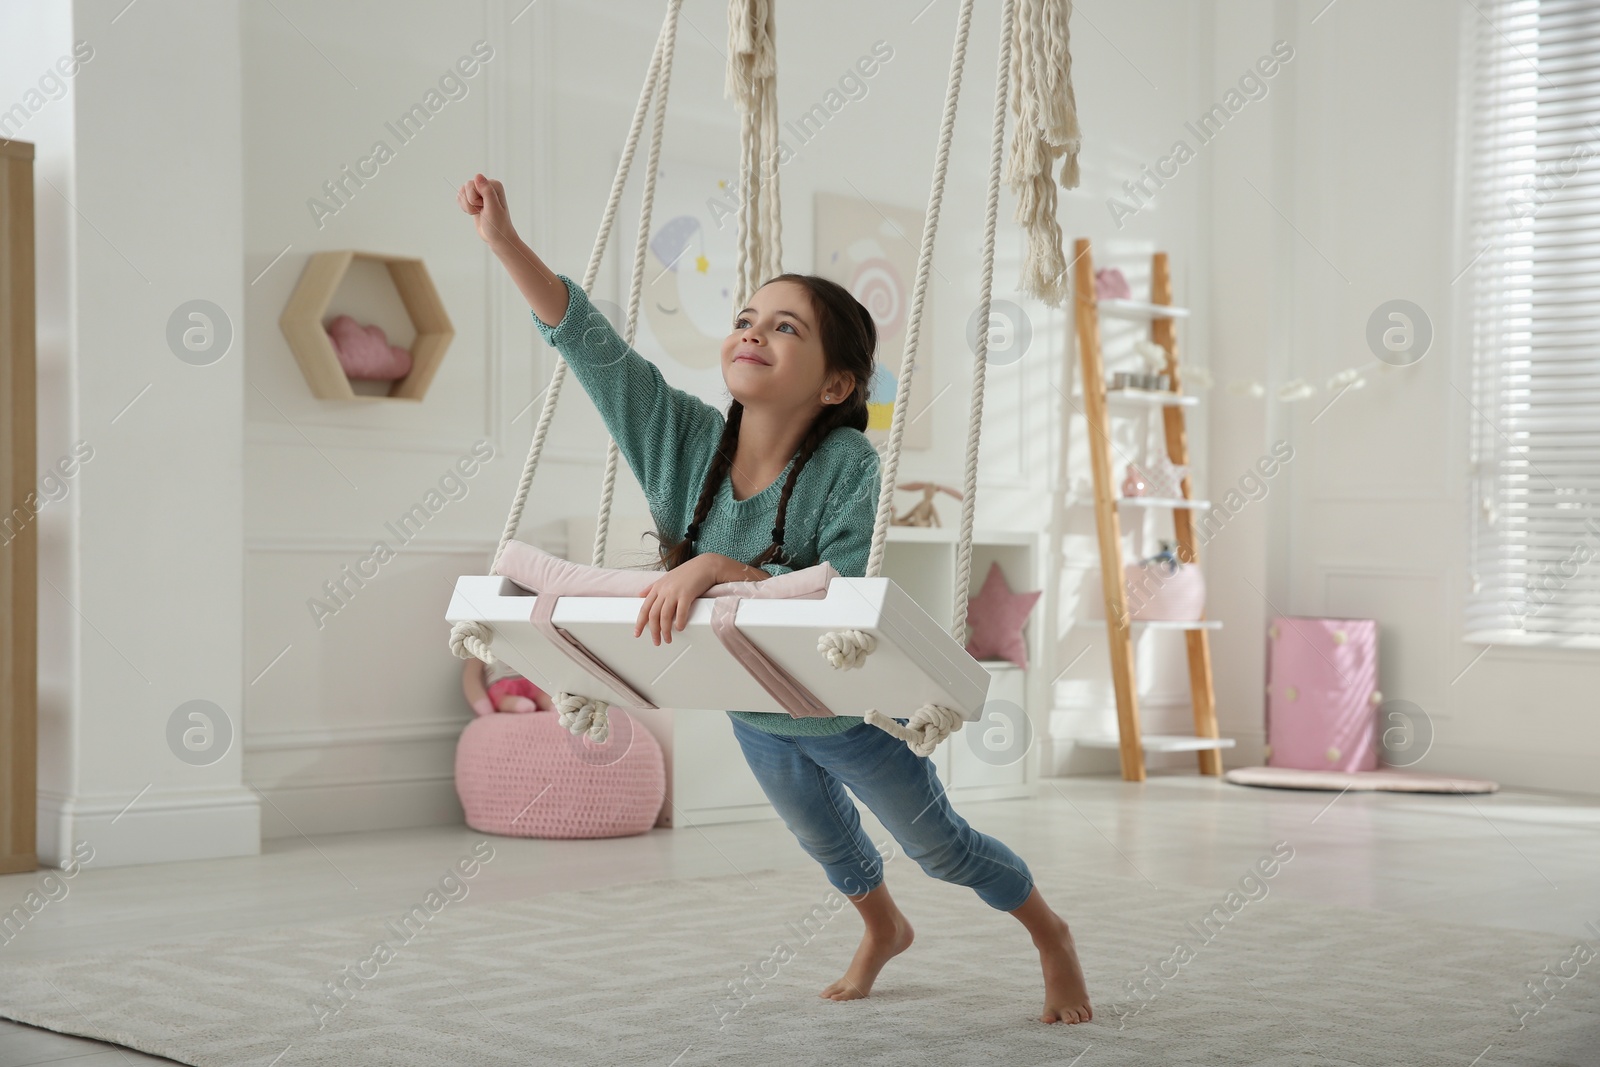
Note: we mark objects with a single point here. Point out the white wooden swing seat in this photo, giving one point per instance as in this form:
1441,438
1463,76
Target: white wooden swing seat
784,656
914,661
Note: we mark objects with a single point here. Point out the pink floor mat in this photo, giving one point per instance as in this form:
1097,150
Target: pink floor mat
1391,781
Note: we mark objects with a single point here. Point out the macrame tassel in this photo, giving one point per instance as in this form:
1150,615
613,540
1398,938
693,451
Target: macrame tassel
752,77
1046,111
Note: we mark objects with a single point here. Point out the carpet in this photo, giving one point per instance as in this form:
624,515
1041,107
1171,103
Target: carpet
1390,781
726,970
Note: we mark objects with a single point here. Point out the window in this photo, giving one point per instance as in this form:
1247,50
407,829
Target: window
1534,222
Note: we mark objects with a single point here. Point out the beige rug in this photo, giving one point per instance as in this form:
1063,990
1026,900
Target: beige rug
645,974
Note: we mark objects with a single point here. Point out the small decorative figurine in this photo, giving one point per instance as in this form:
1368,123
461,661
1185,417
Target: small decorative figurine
922,513
1133,484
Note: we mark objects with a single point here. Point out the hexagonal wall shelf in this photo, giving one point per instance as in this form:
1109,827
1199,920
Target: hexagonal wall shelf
301,323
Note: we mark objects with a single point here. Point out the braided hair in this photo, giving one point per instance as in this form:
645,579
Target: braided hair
849,339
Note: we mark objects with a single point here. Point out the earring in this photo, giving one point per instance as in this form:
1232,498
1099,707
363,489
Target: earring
827,396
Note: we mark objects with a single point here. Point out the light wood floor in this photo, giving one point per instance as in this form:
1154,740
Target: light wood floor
1517,860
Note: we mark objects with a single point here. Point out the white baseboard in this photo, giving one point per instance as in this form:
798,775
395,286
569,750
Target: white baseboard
682,818
389,803
156,826
1538,772
1026,791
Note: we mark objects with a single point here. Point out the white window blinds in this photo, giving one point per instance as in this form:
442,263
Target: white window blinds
1534,221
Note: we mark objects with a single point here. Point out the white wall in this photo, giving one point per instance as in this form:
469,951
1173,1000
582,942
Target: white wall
138,199
1375,520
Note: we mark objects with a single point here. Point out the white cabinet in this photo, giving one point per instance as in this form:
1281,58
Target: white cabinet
708,780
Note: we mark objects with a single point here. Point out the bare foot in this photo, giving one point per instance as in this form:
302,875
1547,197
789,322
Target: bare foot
1066,997
875,950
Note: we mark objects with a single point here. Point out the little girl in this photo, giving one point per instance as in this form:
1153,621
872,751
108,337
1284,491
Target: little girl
786,479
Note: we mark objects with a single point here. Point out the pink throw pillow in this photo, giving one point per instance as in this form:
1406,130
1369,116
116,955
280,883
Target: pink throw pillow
365,352
997,616
539,571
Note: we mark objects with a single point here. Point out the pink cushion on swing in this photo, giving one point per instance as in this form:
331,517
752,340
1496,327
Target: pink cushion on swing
539,571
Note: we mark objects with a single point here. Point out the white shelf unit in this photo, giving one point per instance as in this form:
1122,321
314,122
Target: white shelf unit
708,780
1140,310
1154,624
1149,398
1162,502
1162,742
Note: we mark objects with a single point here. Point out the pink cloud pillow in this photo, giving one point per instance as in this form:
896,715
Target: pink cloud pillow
365,352
539,571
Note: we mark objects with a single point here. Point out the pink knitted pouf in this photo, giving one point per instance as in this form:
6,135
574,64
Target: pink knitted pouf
526,775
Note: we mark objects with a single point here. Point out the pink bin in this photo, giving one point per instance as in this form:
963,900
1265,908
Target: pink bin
1155,595
1322,694
526,775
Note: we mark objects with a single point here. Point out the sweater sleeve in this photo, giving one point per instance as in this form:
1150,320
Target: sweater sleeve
657,427
844,538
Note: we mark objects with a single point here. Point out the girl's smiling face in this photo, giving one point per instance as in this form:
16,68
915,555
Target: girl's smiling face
774,354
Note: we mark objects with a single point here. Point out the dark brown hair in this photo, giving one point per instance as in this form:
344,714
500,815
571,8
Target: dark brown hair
849,339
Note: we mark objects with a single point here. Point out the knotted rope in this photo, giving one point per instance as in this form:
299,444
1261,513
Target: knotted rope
846,649
472,638
928,725
581,714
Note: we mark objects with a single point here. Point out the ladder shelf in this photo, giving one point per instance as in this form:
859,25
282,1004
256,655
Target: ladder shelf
1161,314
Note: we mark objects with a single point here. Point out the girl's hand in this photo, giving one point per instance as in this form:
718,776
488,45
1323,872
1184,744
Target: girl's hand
668,601
487,200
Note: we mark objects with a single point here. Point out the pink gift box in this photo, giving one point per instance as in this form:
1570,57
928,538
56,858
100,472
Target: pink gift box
1322,694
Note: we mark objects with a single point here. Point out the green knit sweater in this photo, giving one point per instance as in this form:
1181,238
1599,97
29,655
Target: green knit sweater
669,437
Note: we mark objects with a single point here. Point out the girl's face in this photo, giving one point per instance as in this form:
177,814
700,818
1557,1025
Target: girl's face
774,354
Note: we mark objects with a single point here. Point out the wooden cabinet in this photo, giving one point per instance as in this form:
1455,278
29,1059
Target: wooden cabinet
18,526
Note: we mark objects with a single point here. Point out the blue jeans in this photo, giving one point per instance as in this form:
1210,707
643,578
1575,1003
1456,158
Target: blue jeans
802,777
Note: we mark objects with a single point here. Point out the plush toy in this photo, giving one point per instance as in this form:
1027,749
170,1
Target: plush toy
510,693
365,352
922,514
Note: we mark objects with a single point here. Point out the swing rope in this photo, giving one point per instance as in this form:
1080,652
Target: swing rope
472,638
932,723
667,46
902,400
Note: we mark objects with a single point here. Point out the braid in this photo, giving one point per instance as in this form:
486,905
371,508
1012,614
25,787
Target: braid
821,426
672,556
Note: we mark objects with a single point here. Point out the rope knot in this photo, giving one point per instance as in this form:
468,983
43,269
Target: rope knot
470,638
846,649
581,714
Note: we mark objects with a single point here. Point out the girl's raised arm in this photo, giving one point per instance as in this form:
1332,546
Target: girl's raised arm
486,199
666,434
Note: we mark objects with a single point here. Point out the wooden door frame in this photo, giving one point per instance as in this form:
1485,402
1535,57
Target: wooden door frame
19,546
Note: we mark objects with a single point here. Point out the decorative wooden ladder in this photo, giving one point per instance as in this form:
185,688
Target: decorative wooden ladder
1160,313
